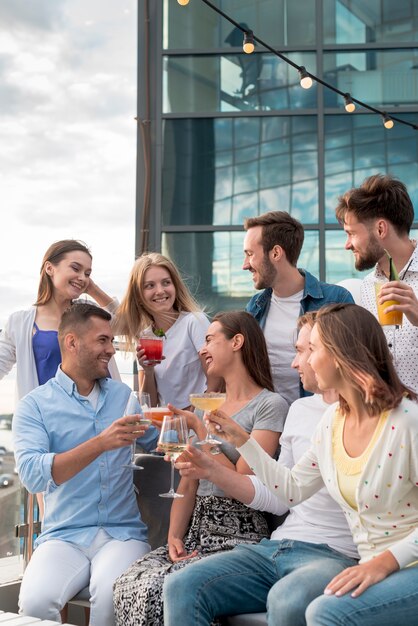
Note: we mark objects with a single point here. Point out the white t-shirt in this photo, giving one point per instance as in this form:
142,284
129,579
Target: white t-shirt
181,373
280,335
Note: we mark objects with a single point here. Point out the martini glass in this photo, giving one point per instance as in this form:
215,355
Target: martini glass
210,401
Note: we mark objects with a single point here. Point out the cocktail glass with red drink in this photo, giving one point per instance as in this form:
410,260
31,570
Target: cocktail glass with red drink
153,347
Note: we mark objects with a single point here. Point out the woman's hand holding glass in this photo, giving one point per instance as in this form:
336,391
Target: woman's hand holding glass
220,424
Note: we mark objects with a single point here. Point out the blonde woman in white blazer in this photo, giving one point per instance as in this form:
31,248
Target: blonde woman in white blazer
365,452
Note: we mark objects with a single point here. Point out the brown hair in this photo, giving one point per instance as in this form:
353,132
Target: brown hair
79,314
254,350
55,254
355,339
279,229
133,316
307,319
380,196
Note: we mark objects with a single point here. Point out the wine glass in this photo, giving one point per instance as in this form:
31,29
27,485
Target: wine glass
173,440
209,401
137,404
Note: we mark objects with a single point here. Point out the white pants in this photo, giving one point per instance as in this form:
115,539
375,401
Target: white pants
58,570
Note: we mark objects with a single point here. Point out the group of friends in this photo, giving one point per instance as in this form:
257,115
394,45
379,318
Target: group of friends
346,474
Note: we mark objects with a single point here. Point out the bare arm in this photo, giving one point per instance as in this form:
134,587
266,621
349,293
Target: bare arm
98,294
181,513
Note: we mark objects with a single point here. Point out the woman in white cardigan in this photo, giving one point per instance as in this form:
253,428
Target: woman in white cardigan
29,338
365,451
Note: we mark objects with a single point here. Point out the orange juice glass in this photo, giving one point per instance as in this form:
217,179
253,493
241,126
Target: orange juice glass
158,413
393,318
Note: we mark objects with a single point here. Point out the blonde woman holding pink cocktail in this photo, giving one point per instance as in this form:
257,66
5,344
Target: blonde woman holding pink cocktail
158,302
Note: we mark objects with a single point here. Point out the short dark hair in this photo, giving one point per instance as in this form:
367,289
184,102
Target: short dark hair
379,196
79,314
279,228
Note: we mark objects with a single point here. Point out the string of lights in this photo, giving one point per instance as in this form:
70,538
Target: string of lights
306,78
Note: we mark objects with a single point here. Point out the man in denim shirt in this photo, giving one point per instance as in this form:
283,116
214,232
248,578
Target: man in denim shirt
71,443
272,246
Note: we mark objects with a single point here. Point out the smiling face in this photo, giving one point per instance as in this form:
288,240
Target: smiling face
362,241
323,364
93,348
256,261
158,290
300,362
217,351
70,277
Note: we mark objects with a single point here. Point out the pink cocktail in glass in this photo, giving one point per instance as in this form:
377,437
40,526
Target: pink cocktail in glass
153,347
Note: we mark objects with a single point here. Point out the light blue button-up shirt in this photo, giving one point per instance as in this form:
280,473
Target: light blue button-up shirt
54,418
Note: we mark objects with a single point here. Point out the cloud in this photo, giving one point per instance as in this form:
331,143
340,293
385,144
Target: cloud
68,137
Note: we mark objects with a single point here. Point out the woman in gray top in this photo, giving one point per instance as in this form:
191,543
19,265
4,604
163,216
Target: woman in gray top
205,520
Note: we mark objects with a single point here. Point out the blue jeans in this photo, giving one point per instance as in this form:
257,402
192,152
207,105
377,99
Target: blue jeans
393,600
283,575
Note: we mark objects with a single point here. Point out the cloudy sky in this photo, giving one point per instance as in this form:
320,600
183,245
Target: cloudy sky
68,141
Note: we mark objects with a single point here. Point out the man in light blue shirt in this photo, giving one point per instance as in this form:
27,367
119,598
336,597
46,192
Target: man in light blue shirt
71,443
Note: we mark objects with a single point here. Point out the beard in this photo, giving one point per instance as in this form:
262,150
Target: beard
266,275
372,255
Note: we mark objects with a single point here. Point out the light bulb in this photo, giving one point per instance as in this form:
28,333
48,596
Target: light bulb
305,80
387,121
183,2
248,43
349,104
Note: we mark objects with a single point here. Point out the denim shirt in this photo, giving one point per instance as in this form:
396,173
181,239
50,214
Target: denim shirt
55,418
316,294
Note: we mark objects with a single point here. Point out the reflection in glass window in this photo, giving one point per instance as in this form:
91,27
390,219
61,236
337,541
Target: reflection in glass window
357,146
278,22
388,77
238,82
357,21
212,265
219,171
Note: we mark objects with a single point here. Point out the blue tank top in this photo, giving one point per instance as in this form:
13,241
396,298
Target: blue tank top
47,353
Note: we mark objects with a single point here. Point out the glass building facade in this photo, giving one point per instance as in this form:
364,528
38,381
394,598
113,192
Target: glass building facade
234,135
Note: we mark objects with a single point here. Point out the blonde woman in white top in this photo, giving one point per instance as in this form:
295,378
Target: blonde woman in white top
158,300
365,451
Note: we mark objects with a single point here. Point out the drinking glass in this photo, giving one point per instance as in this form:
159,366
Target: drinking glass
153,347
137,404
391,320
208,402
173,440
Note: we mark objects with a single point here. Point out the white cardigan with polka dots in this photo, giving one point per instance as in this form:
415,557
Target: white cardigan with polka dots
387,493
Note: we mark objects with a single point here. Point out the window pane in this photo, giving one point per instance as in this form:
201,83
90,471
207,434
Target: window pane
339,262
357,146
277,22
388,77
212,266
357,21
219,171
239,82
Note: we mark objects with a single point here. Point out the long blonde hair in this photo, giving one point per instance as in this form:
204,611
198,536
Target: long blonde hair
133,315
55,254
